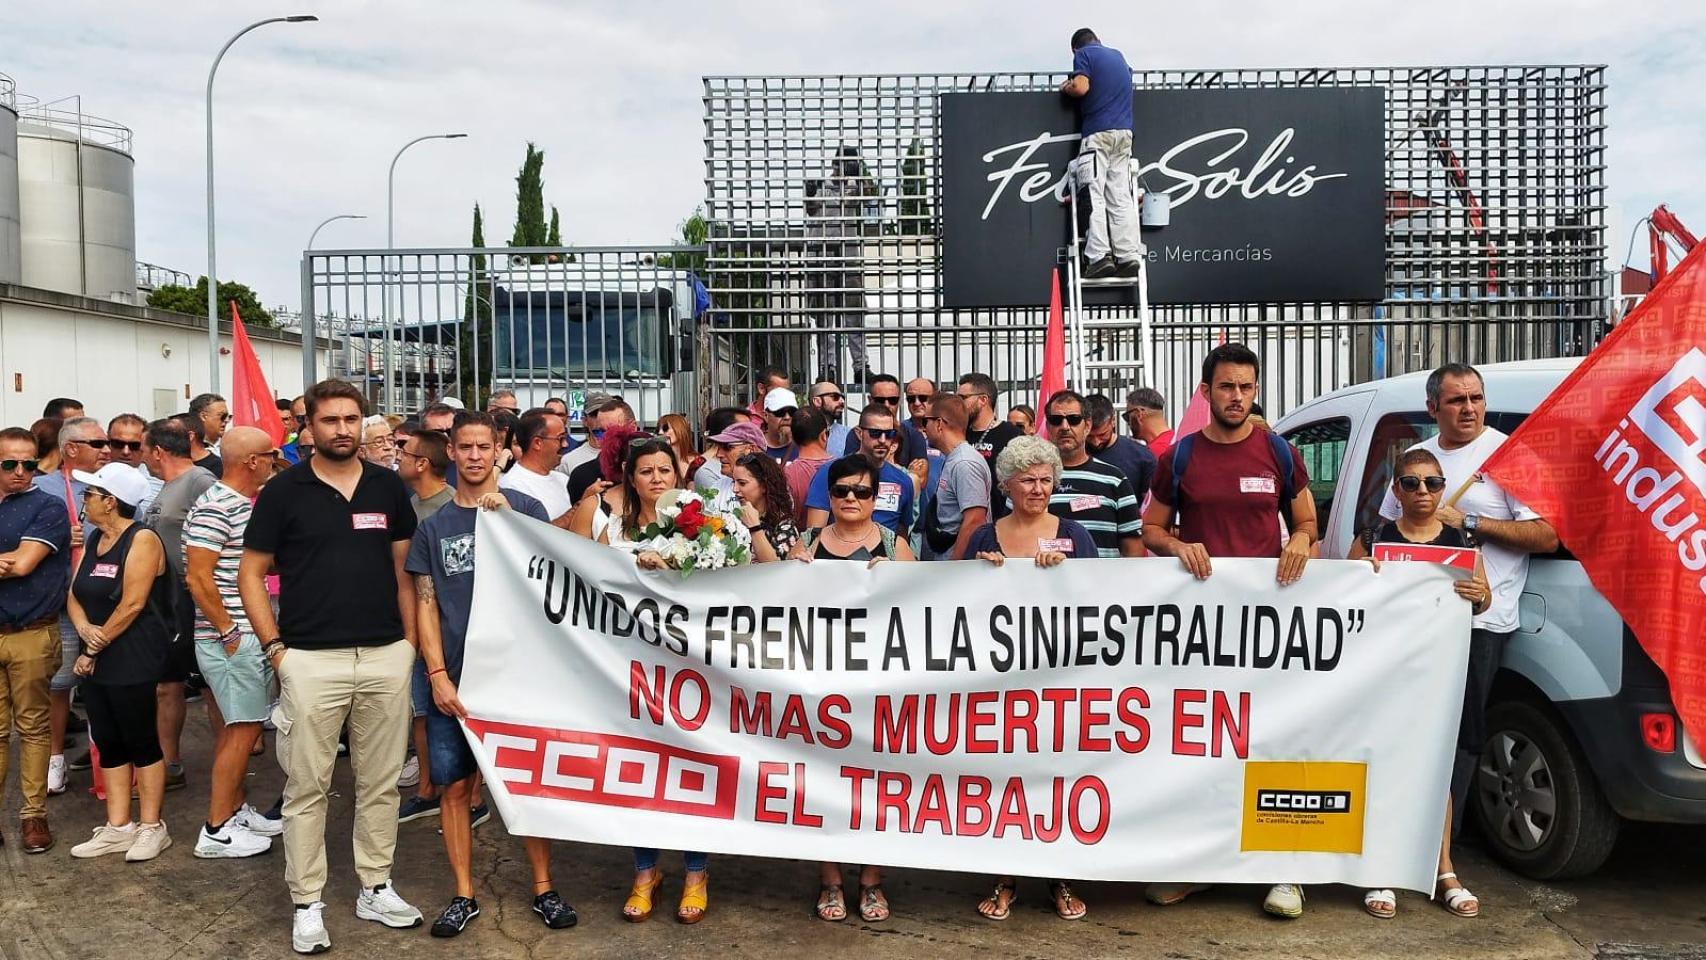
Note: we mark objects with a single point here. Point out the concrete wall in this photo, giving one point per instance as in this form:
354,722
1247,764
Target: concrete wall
117,358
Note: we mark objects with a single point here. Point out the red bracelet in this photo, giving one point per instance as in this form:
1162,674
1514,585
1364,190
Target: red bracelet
430,673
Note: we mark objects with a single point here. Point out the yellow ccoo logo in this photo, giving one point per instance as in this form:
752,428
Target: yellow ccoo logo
1304,807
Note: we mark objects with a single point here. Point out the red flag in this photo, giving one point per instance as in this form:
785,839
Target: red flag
252,403
1615,460
1195,416
1053,374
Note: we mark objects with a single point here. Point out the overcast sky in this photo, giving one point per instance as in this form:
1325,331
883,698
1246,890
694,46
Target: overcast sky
309,115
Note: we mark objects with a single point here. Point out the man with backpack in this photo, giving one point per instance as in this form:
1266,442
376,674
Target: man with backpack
1223,492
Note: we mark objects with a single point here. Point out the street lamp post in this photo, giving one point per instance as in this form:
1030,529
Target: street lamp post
310,373
385,299
212,273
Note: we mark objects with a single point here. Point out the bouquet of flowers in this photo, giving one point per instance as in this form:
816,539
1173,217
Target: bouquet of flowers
697,530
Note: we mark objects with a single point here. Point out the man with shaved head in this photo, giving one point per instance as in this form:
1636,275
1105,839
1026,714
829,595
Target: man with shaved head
237,674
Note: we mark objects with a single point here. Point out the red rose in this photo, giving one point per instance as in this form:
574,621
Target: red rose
690,519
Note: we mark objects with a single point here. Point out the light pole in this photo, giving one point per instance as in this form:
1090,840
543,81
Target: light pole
212,274
309,371
385,300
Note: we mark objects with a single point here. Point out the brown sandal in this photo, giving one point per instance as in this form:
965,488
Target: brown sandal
996,911
1064,898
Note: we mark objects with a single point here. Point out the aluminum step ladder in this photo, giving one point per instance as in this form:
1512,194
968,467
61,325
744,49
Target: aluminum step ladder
1100,349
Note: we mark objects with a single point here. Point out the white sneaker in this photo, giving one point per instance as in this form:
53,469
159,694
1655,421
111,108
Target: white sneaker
384,905
56,775
253,821
308,929
232,841
106,839
152,839
1285,900
411,775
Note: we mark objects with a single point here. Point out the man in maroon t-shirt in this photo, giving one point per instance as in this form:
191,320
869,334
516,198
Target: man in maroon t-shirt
1228,505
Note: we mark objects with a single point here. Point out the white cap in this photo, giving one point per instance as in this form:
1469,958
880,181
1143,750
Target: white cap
119,479
452,403
779,398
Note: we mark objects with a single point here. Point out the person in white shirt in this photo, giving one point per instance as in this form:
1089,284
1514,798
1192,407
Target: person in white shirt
540,436
1502,527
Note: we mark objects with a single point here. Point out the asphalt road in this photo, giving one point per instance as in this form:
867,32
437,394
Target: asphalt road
1648,901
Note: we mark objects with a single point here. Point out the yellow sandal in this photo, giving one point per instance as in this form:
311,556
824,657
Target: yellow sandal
640,899
694,897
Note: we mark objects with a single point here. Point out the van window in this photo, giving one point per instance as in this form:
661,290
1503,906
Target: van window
1322,445
1394,434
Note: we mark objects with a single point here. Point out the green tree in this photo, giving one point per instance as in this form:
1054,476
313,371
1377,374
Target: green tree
689,232
476,322
554,235
530,228
193,301
914,193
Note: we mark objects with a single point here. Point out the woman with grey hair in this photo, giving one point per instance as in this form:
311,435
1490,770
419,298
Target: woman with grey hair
1027,471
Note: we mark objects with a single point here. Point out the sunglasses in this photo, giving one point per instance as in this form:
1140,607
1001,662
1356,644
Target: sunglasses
974,393
130,446
830,396
784,412
924,418
887,401
920,397
8,466
300,418
95,492
843,490
876,434
1072,419
224,417
1411,483
97,444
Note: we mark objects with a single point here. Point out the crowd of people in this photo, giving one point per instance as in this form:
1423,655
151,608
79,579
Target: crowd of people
322,587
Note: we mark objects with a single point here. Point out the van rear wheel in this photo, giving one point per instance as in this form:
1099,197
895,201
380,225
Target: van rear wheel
1540,807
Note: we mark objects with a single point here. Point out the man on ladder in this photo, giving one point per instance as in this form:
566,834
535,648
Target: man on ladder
1101,80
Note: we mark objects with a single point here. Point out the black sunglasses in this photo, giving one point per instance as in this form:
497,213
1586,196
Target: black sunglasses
889,401
1409,482
841,490
1056,419
97,444
129,445
7,466
831,396
781,412
924,418
876,434
920,397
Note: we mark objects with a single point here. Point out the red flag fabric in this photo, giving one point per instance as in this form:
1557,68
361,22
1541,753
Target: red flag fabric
1053,374
1195,416
1615,460
252,403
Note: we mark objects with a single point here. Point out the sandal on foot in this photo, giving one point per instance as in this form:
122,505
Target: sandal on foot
1064,899
639,905
1458,899
992,908
1380,904
695,897
831,903
873,906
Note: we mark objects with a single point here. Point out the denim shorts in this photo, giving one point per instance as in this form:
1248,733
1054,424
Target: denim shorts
447,749
420,688
240,683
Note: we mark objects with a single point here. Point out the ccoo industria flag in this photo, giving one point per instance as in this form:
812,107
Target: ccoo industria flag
1615,459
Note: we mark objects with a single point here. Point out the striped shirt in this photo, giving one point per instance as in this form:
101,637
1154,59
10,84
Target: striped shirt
216,522
1097,495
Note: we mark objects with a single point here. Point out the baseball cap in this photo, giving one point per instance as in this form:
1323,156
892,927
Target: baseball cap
742,432
452,403
119,479
779,399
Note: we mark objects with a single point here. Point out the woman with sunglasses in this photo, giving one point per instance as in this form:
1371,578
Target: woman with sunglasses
1418,485
765,506
1027,470
1022,416
120,603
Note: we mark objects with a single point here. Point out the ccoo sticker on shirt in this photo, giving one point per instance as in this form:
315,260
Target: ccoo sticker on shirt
370,521
1257,485
107,570
1057,545
1089,501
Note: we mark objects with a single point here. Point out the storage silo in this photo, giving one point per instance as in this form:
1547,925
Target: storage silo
77,203
11,266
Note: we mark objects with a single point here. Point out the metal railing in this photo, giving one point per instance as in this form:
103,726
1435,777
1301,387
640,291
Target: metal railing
92,130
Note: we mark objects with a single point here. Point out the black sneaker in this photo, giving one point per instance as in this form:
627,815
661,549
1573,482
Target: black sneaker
79,762
1105,267
1128,268
551,909
455,917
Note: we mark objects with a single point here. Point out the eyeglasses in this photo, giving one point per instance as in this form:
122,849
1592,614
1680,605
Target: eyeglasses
830,396
888,401
1409,482
300,418
783,413
876,434
843,490
8,466
224,417
973,393
97,444
129,446
1056,419
923,419
95,492
916,398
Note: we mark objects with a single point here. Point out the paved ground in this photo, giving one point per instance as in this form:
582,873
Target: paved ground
1649,901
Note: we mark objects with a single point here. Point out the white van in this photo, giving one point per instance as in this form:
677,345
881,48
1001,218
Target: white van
1582,733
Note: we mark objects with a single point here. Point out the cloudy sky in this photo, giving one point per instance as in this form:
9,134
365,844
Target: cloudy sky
309,115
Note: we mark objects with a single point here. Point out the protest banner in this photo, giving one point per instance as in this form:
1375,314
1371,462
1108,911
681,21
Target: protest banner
1106,719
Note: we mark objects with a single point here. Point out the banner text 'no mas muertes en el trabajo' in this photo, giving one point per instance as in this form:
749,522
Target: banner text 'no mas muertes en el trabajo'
1105,719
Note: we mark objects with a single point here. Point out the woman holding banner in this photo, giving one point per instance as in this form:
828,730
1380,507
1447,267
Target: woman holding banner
1028,469
1418,484
765,506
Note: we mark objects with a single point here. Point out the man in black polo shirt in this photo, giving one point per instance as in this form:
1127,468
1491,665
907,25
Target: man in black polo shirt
35,572
338,530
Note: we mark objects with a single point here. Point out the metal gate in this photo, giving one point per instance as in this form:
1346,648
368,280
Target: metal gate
1495,236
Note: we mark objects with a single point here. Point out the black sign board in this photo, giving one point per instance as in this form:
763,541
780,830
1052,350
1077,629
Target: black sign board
1278,195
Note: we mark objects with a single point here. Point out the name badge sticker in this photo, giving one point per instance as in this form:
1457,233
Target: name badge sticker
888,497
370,521
1257,485
1057,545
1089,501
106,570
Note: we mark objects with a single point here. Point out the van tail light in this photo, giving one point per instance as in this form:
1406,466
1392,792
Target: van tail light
1658,732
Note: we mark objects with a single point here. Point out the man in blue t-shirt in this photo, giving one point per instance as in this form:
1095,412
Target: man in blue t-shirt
879,438
1101,82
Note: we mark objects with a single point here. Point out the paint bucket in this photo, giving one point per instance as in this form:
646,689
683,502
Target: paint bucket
1155,210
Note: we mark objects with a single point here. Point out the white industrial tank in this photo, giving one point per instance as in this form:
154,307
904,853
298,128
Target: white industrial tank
11,264
77,200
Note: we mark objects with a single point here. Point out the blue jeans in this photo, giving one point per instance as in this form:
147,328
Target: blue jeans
646,858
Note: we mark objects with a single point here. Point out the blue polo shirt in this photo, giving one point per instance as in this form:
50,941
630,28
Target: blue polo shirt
1108,104
38,516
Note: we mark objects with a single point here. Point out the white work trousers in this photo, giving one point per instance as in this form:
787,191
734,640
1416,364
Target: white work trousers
1113,216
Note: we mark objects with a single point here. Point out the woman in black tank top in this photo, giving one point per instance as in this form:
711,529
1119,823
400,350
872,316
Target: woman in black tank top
121,605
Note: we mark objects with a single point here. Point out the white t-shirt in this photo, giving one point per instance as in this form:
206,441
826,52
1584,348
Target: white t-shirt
1507,569
550,489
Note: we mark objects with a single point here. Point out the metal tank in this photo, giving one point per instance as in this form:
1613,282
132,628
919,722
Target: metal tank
77,199
11,264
